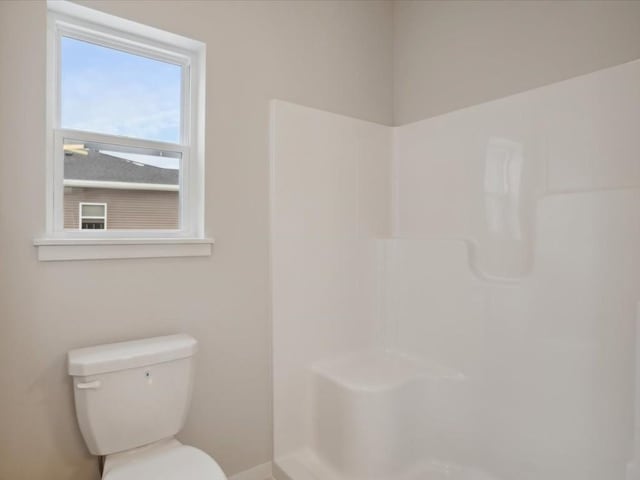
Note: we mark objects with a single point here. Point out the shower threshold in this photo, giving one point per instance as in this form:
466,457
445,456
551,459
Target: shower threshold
306,465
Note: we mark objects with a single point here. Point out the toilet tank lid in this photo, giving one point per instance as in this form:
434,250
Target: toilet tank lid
123,355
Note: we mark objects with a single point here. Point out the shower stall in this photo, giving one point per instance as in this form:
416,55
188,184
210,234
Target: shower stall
456,298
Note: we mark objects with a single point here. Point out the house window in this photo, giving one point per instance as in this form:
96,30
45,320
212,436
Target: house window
125,127
92,216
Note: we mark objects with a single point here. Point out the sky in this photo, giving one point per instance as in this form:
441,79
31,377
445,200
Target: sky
108,91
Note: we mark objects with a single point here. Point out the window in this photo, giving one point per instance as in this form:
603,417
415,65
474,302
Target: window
125,128
92,216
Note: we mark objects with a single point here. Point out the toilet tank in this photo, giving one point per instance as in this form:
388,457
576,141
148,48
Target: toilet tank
130,394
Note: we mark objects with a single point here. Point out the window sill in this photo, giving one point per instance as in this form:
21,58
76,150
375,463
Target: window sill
55,249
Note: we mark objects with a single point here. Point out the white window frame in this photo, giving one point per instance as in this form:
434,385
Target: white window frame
81,217
81,23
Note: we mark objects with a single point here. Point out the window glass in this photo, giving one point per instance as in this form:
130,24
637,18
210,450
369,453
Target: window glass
93,224
105,90
90,210
140,186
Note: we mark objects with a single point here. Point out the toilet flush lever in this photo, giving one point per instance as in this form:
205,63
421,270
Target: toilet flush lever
88,385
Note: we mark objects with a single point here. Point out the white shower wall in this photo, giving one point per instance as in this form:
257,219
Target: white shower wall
548,360
477,173
329,202
508,270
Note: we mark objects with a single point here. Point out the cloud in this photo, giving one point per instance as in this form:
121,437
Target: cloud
108,91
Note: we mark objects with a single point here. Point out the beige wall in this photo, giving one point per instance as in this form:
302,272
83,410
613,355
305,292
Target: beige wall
449,55
331,55
154,209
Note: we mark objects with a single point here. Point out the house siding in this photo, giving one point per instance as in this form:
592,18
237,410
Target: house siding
126,209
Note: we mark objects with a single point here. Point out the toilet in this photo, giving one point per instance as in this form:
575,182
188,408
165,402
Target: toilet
131,400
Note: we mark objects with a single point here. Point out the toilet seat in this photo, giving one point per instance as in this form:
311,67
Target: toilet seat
167,461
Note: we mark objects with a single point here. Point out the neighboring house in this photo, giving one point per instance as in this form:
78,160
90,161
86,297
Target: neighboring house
103,191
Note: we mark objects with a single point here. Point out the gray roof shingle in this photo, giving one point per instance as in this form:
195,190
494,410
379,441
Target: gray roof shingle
101,167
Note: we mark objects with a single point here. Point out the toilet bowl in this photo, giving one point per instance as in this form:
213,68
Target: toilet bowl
131,400
167,459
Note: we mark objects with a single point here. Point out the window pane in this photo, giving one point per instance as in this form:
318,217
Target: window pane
109,91
93,225
93,210
140,186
